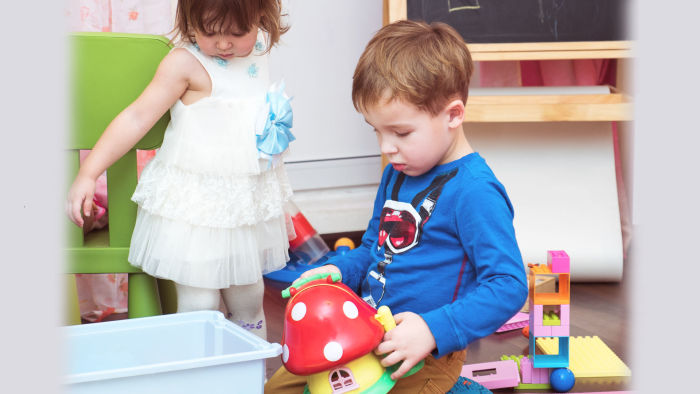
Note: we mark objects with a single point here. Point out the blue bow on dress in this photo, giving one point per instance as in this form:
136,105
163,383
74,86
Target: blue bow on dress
276,135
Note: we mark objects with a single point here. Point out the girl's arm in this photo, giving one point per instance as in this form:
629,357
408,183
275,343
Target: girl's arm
170,82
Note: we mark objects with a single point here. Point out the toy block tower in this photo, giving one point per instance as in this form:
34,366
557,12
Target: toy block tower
549,312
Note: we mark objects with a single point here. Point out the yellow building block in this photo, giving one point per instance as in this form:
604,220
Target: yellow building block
589,357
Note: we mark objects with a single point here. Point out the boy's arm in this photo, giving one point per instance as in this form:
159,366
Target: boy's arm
484,221
126,129
353,264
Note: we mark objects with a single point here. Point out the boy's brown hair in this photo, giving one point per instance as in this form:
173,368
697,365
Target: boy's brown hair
220,16
424,65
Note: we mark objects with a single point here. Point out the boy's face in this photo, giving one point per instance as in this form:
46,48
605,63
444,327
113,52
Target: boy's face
412,140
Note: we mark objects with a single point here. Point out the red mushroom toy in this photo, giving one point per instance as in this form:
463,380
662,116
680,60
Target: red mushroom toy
329,335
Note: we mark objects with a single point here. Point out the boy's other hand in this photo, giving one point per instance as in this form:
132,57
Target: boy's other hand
80,196
411,341
326,269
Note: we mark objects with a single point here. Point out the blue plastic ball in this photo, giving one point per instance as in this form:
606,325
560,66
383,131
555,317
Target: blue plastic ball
562,380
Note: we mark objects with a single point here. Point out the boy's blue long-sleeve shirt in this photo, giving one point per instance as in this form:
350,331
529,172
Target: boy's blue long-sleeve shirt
465,276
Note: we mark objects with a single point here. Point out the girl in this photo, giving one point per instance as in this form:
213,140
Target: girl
210,203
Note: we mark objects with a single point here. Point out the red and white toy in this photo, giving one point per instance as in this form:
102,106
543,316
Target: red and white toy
330,335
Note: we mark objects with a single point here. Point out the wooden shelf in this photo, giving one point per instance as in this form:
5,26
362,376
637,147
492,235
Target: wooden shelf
551,50
540,108
549,108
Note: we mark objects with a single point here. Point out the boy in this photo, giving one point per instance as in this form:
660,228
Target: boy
440,249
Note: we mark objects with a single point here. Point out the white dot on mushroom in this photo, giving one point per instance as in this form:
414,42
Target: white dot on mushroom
350,310
285,353
299,311
333,351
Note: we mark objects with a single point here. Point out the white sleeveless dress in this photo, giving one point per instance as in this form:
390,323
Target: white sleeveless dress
209,207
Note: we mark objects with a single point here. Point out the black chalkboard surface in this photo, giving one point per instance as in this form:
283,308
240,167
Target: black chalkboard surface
500,21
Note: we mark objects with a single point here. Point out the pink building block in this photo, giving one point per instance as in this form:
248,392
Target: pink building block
558,261
519,320
562,330
559,331
532,375
494,375
542,331
564,311
536,327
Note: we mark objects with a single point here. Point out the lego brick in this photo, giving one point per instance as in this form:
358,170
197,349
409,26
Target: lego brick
543,284
560,331
561,296
493,375
564,313
532,386
518,321
557,357
541,331
513,357
530,374
526,370
550,319
590,357
540,375
537,314
558,261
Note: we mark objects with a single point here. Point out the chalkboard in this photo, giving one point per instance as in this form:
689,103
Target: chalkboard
499,21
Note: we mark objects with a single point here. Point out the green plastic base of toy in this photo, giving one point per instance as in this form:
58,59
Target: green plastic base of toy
533,386
384,384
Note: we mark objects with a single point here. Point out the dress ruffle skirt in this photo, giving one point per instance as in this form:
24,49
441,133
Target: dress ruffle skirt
209,210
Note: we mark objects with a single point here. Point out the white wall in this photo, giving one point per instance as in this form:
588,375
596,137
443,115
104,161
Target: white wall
317,58
334,165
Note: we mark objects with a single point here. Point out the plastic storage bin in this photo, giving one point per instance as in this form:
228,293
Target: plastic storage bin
194,352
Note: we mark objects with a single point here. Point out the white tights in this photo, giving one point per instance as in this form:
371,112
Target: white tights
244,303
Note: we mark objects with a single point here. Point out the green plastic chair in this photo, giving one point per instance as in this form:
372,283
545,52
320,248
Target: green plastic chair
108,72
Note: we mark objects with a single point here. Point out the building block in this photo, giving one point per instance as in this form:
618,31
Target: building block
550,319
530,374
533,386
558,261
520,320
541,331
590,357
562,296
557,357
543,284
493,375
536,314
526,371
564,314
559,331
513,357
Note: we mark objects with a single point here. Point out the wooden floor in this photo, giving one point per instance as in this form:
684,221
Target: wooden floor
596,309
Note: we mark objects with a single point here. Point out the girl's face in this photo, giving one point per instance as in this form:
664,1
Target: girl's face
227,45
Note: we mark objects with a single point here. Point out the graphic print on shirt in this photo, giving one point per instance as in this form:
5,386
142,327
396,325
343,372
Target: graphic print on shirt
400,228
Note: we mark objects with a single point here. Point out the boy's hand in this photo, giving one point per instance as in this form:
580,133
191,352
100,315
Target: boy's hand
326,269
80,196
411,341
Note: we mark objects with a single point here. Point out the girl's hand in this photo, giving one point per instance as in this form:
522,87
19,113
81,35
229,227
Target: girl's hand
80,196
326,269
411,341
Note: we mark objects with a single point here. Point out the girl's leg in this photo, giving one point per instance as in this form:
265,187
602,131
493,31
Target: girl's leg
245,303
196,298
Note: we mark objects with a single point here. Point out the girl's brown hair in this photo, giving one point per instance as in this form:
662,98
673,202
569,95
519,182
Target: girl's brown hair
424,65
229,16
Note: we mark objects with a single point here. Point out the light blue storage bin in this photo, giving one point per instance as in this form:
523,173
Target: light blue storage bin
194,352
